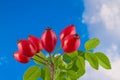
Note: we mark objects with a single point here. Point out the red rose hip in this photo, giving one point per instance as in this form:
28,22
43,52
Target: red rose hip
26,48
36,41
21,58
71,43
49,40
67,31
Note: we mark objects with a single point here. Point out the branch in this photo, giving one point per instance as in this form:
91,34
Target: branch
39,61
59,56
42,63
52,68
41,57
57,50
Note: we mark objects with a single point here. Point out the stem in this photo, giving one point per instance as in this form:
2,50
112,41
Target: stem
59,56
42,63
39,61
52,68
57,50
52,72
41,57
51,58
52,63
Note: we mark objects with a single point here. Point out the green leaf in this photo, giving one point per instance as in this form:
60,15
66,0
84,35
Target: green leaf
74,66
66,75
58,61
81,53
81,66
63,66
69,79
103,60
91,58
61,76
73,54
71,75
39,59
71,69
57,73
69,65
91,44
32,73
67,58
45,73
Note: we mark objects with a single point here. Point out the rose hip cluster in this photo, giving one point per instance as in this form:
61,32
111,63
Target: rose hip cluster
33,45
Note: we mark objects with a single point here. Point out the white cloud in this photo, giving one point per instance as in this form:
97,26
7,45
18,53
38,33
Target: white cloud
103,74
103,20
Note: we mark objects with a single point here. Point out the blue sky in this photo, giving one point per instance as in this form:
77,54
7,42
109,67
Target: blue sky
20,18
92,18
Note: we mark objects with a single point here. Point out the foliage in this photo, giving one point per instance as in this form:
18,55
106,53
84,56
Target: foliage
67,66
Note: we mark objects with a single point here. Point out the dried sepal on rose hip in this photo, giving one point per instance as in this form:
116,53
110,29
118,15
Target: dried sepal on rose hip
67,31
21,58
49,40
71,43
26,48
36,41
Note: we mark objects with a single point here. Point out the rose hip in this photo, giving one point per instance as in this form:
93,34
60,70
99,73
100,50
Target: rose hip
21,58
36,41
67,31
49,40
71,43
26,48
